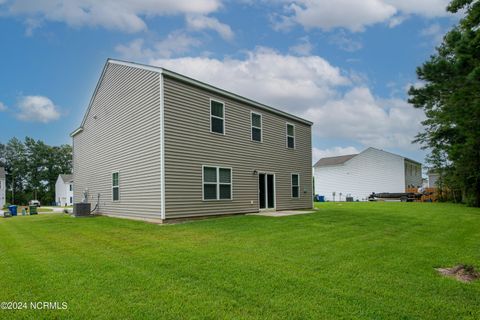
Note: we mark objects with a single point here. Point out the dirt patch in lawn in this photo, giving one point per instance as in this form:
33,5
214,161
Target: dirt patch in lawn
460,272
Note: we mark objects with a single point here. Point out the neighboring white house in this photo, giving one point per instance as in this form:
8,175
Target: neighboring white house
433,177
3,187
358,175
64,190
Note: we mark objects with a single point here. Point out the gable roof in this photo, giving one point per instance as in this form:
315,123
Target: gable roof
331,161
188,80
2,173
67,178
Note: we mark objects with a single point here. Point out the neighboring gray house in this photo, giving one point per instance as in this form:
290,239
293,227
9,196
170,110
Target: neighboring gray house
3,188
155,144
64,190
358,175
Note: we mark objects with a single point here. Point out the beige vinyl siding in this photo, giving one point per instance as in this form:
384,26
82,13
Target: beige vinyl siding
124,138
189,145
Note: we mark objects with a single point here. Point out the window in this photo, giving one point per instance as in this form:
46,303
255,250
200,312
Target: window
217,183
115,187
71,200
295,185
290,136
71,187
256,122
217,117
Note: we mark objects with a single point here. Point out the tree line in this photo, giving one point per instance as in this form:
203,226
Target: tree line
450,97
32,169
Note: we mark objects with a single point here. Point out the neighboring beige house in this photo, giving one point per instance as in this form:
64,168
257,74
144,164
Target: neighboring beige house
155,144
3,188
64,190
358,175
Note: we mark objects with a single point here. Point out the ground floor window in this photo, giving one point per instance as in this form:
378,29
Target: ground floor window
217,183
115,187
295,185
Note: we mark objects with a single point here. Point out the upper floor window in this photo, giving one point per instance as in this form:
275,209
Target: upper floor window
290,136
256,122
217,183
71,187
115,187
217,117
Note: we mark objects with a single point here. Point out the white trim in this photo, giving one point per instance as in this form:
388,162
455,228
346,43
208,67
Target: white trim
189,81
217,183
210,88
80,129
291,185
252,126
288,136
117,186
162,148
76,131
217,117
135,65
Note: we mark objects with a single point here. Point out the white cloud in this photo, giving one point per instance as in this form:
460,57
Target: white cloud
434,32
265,75
124,15
332,152
344,42
37,109
3,107
426,8
356,15
175,43
303,48
201,22
309,86
370,121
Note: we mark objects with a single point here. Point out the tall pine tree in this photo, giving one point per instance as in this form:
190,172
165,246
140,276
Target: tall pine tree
450,98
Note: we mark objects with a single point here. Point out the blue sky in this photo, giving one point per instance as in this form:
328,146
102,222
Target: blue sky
344,64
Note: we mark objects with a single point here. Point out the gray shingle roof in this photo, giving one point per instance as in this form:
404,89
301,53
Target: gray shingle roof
67,177
331,161
2,173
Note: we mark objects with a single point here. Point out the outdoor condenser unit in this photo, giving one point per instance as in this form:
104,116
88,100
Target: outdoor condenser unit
81,209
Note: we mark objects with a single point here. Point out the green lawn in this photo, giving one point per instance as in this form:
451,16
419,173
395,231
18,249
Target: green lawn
346,261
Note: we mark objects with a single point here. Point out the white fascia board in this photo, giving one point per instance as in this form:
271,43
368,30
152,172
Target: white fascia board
208,87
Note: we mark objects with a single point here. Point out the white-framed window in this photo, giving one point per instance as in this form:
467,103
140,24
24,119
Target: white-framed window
256,122
115,186
71,200
71,187
216,183
295,185
290,131
217,116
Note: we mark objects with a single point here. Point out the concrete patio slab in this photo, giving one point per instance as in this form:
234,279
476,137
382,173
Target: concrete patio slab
285,213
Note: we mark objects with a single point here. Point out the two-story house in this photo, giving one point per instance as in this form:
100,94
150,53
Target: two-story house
154,144
3,188
64,190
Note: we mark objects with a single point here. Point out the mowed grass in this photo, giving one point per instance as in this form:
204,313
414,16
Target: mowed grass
345,261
